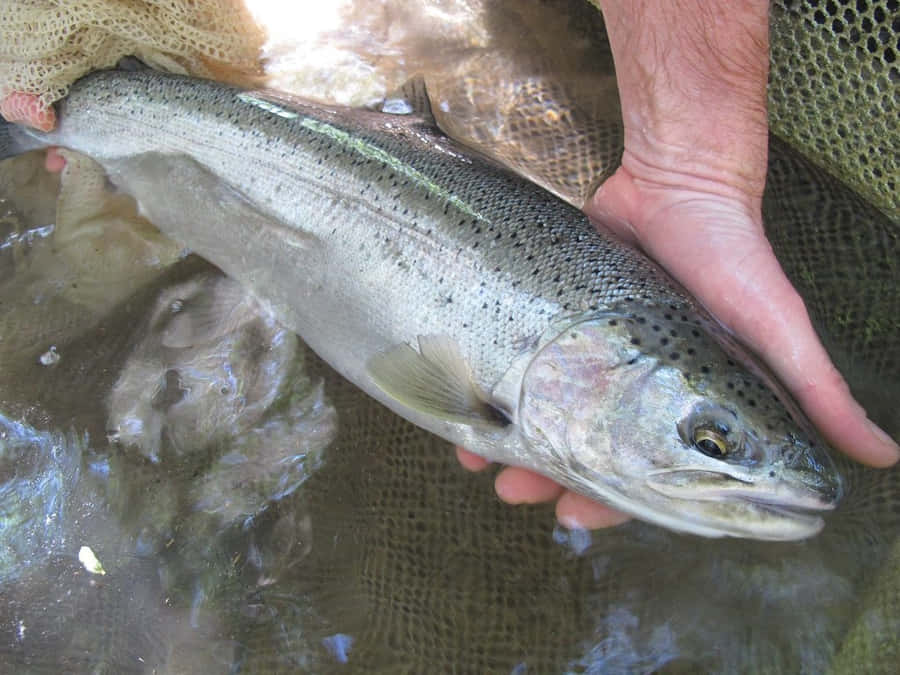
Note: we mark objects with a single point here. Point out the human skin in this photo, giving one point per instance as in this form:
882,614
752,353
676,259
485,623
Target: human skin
692,82
27,109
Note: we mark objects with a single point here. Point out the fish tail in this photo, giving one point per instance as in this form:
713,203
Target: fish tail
14,140
7,144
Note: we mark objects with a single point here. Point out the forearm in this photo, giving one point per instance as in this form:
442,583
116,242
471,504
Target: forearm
692,81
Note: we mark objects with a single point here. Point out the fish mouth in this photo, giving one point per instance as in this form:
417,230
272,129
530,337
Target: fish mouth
788,510
785,508
794,490
774,522
802,505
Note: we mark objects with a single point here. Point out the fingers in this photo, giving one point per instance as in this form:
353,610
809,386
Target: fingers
792,347
770,317
577,511
470,461
717,250
515,485
27,109
54,162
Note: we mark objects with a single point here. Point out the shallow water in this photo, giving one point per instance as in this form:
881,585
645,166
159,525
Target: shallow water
253,512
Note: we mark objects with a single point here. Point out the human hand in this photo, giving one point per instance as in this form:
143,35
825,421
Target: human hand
710,238
516,485
707,232
27,109
692,81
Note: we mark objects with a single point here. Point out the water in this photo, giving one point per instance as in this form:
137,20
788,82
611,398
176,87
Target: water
255,513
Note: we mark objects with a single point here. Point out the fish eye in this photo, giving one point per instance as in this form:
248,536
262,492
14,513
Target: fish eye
710,442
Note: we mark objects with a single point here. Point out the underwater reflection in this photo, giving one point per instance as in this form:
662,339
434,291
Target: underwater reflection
254,512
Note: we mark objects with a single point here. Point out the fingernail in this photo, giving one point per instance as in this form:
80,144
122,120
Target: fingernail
884,439
570,522
503,492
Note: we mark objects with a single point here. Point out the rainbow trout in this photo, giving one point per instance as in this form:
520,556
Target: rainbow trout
464,298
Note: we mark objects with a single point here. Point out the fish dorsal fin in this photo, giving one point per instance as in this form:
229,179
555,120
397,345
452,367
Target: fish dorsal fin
436,380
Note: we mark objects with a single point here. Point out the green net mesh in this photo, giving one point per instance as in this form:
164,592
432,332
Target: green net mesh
416,560
833,89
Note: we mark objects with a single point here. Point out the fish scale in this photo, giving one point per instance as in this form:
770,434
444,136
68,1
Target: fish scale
460,295
536,255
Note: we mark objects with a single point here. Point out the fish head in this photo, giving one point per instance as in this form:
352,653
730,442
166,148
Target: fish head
657,413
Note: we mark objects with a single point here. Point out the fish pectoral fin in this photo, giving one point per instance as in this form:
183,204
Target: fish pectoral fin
436,380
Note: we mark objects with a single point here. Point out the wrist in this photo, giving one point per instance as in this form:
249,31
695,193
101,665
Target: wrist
692,83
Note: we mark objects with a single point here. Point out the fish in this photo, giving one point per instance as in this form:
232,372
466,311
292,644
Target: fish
461,296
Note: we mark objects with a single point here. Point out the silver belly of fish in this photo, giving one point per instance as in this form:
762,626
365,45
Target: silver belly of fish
464,298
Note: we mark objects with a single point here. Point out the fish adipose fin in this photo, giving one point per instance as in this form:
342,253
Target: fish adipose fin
436,380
